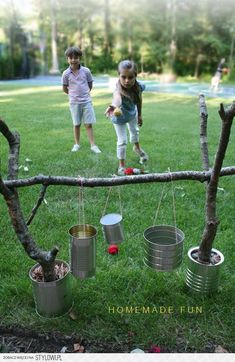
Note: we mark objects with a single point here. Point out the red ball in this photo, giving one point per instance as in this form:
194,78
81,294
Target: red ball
113,249
129,171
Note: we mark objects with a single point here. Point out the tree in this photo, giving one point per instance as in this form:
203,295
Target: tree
55,64
211,220
184,36
42,41
14,39
46,259
172,8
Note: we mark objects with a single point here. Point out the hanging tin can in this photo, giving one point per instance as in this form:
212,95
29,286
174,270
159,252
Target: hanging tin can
83,250
163,247
112,228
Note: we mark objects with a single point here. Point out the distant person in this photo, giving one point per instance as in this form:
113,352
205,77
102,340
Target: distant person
126,112
215,81
77,83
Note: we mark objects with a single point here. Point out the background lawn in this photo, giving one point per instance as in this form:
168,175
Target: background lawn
170,135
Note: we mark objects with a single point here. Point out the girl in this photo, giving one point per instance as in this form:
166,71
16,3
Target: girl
125,110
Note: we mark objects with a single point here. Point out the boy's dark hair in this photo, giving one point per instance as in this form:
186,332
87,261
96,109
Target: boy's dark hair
73,52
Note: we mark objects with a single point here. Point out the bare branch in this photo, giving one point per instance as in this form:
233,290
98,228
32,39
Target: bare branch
211,219
14,147
221,111
203,132
35,208
20,227
200,176
44,258
6,132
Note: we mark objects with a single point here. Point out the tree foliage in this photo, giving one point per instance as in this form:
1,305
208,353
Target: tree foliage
187,37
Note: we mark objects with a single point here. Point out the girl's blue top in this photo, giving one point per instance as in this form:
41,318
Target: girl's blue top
128,108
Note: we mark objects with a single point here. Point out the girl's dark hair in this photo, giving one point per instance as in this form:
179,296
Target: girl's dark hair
73,52
134,93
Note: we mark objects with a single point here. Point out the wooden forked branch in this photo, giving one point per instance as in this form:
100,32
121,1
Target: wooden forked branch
203,132
211,221
8,188
10,194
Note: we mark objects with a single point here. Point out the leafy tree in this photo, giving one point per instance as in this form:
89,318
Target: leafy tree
182,36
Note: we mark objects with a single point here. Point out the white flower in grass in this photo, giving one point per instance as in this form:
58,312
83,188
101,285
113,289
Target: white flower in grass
28,160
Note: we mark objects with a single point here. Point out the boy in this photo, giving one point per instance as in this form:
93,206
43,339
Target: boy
217,77
77,83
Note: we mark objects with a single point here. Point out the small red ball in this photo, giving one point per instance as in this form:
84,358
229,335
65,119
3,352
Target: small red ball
113,249
129,171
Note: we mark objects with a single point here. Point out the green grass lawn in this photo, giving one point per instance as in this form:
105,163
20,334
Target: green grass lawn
170,135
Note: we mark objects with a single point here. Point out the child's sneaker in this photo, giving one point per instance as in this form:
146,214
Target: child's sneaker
140,152
75,148
95,149
121,171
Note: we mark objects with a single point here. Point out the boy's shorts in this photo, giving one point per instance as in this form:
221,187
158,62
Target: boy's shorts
82,113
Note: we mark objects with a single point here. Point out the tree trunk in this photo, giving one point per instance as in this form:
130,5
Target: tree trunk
42,44
231,61
80,27
130,45
173,46
55,64
211,221
199,59
142,63
25,72
107,34
44,258
203,132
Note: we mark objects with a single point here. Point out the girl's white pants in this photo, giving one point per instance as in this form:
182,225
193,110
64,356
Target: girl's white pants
121,131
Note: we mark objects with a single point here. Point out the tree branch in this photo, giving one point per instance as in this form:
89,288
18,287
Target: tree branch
212,222
8,189
35,208
203,132
13,140
200,176
44,258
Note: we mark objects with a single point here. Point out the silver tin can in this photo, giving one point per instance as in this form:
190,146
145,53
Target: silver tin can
112,228
52,299
163,247
83,250
203,278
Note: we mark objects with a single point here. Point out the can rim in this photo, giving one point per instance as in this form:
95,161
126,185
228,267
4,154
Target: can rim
174,229
194,248
52,283
117,219
84,237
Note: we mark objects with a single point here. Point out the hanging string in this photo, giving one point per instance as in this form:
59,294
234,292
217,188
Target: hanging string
174,209
79,206
173,198
173,203
82,204
81,210
107,200
120,200
159,204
